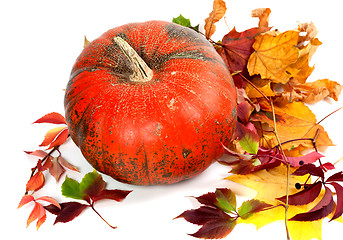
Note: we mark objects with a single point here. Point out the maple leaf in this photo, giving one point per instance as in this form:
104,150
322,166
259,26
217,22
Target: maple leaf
219,9
273,54
91,189
236,47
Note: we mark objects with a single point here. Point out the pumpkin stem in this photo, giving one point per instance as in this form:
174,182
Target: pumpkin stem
141,71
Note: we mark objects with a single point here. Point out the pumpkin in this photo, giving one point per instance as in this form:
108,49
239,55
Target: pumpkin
150,103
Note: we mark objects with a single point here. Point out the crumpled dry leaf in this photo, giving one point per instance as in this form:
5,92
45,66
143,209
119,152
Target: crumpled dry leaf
273,54
310,29
311,92
219,9
263,15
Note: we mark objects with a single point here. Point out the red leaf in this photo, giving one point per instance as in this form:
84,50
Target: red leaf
327,166
47,164
236,47
25,199
115,194
36,182
309,169
40,221
66,164
49,200
244,110
306,159
339,205
321,210
337,177
305,196
53,117
60,139
56,170
51,135
38,153
69,211
37,212
208,199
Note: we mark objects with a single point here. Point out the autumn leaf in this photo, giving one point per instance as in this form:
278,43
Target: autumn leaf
55,137
273,54
263,15
91,189
219,215
219,9
248,137
53,117
38,212
36,182
236,47
293,121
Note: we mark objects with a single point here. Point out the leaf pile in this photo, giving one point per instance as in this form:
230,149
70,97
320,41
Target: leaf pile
276,145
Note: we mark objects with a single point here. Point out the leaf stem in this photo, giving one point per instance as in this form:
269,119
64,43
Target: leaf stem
92,206
33,170
288,170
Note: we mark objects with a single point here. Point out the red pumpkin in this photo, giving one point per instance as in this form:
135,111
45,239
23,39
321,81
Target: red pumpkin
156,115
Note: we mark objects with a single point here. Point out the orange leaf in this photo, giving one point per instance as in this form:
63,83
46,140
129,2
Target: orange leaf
25,199
40,221
36,182
37,212
273,54
49,200
60,139
51,135
219,9
53,117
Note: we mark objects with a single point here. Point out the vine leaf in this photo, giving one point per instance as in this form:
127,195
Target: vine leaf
218,215
91,189
53,117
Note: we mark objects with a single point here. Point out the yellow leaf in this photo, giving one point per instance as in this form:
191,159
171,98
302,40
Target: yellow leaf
262,85
273,55
293,121
219,9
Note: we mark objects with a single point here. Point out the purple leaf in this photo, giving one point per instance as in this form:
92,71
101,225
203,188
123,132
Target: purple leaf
215,229
309,169
321,210
337,177
339,205
305,196
69,211
115,194
215,222
208,199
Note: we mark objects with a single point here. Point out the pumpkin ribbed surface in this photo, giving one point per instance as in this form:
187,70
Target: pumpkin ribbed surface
159,131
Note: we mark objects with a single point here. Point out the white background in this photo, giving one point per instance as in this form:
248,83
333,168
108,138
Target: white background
39,42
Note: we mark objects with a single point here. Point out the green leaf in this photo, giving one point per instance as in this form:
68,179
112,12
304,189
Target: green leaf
252,206
71,188
248,137
92,183
181,20
226,200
